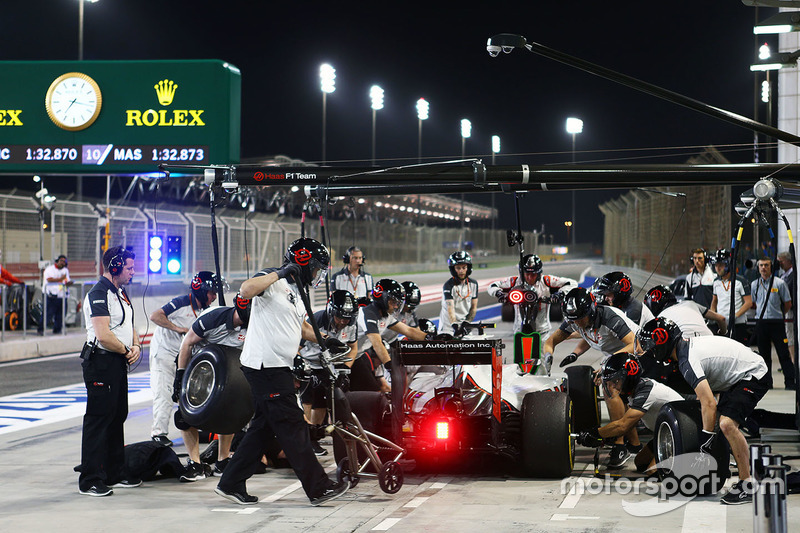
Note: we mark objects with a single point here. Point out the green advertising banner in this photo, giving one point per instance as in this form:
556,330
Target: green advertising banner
101,117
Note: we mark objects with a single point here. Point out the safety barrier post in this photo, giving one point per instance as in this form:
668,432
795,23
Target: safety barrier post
761,509
775,476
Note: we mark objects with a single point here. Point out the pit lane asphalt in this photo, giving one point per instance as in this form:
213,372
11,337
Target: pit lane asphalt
38,490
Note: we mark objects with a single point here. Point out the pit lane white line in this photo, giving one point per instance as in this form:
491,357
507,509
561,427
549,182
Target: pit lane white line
562,517
386,524
249,510
416,502
281,493
574,495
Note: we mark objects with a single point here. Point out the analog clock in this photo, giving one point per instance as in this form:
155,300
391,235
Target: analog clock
73,101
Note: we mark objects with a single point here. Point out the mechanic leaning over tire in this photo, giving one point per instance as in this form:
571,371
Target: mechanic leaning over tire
277,325
713,365
173,320
623,375
616,289
607,330
226,326
112,344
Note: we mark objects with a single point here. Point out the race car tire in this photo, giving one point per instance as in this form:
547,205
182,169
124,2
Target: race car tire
547,443
583,392
555,313
215,395
390,477
507,312
370,408
677,432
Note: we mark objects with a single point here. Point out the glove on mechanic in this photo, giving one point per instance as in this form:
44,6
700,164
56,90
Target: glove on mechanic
590,438
571,358
290,270
176,384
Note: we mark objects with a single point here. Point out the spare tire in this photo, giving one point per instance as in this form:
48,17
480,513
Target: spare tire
507,312
215,395
583,392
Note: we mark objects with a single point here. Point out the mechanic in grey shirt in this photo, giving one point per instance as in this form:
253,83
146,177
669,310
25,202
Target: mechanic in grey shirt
690,316
772,299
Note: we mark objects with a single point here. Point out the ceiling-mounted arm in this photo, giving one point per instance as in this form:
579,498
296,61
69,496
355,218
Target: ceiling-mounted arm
507,42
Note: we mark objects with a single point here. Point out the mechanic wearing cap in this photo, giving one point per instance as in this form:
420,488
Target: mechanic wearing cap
712,365
388,297
772,300
352,277
690,316
607,330
459,295
623,375
111,345
173,320
336,322
277,325
530,278
225,326
615,289
721,302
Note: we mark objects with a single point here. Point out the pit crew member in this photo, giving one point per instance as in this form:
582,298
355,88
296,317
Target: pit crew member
721,301
690,316
352,277
459,295
615,289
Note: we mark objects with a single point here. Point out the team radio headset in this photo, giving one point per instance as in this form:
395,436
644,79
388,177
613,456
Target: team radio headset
115,266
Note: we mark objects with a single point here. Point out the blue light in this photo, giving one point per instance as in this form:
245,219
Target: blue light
155,265
174,266
155,241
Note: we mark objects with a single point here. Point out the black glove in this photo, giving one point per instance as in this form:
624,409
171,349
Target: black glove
556,298
176,384
335,346
290,270
590,438
427,326
388,365
707,440
571,358
502,296
457,331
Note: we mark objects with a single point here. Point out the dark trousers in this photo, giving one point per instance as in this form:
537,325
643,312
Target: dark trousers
102,457
54,313
769,332
278,417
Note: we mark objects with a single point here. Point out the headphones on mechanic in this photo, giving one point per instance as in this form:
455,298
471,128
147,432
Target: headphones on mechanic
346,256
116,263
698,251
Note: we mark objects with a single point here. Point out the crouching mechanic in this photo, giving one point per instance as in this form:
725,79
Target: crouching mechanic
173,320
459,295
388,297
226,326
713,365
277,325
531,279
337,323
623,376
408,315
607,330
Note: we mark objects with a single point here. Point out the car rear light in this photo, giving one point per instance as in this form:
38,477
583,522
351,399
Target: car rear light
442,430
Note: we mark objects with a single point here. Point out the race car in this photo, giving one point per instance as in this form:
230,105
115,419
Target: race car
462,400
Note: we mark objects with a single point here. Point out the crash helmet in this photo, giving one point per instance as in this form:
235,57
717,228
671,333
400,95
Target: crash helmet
658,337
342,304
530,264
413,294
459,258
202,283
659,298
426,326
310,255
578,303
618,284
623,368
242,306
301,369
723,255
387,290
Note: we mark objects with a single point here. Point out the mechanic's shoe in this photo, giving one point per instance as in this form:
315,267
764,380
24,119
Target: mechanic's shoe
739,493
98,489
242,498
618,456
162,440
318,449
194,472
331,493
127,484
633,449
219,466
209,455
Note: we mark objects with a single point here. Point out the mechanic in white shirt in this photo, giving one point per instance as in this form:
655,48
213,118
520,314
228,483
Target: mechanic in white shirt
56,277
352,277
277,325
700,280
459,295
721,302
690,316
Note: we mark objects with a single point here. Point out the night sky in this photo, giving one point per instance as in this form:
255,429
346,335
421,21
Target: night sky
413,50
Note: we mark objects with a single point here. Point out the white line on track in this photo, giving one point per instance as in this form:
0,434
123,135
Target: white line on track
281,493
563,517
416,502
40,359
386,524
574,495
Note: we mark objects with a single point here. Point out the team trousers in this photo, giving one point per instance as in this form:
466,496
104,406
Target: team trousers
162,376
769,332
277,416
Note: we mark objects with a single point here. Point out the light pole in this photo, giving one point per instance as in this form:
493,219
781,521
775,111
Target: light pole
766,94
376,95
568,224
327,76
422,114
80,27
574,127
466,131
495,150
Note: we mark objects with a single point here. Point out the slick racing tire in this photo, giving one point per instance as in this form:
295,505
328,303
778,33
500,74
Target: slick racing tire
677,433
555,313
583,392
547,443
370,408
215,395
507,312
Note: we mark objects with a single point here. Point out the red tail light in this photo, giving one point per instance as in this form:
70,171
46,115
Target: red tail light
442,430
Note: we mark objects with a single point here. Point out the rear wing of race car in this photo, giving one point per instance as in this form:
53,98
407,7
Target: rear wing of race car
445,352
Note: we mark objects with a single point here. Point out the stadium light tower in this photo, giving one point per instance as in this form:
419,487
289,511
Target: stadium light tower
422,114
327,76
574,127
376,95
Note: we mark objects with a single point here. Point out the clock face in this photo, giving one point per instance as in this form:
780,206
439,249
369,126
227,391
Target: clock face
73,101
